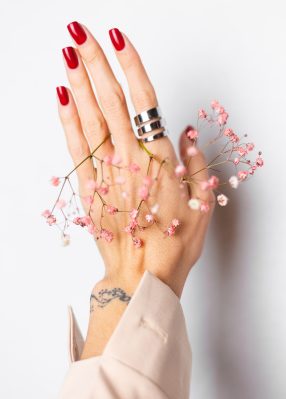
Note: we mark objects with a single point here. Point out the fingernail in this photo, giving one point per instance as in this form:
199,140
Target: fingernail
77,32
117,39
70,57
63,95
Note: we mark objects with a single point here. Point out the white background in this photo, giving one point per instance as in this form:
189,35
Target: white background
234,299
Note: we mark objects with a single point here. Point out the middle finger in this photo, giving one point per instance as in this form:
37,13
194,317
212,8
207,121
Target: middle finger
109,91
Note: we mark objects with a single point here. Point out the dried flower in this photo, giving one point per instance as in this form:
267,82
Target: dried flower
194,204
233,181
112,210
138,243
55,181
180,170
149,218
202,114
222,200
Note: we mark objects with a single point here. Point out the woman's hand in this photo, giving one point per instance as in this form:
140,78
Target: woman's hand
88,119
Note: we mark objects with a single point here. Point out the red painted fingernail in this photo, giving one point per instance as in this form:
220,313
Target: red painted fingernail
77,32
70,57
63,95
117,39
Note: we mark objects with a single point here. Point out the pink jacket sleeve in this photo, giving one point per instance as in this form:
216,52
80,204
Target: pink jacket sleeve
148,355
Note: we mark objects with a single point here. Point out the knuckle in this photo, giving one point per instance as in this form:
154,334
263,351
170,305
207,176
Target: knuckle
144,98
78,151
92,54
94,127
114,101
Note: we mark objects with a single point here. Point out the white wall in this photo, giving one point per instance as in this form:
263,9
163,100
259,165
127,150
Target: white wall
235,297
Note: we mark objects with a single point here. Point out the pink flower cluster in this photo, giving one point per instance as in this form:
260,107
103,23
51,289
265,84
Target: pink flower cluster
235,151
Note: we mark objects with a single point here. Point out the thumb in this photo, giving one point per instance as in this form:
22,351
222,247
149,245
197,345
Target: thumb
197,168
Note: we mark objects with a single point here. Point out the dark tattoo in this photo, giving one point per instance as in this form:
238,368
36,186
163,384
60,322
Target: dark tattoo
105,296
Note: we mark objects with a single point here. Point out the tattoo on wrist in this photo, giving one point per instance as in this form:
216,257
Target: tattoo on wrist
105,296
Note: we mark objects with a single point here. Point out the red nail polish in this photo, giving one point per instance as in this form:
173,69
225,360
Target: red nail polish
117,39
70,57
63,95
77,32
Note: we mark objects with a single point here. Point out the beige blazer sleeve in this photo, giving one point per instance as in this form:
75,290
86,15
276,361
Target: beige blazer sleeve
148,355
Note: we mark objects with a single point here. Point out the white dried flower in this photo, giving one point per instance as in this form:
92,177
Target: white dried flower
194,204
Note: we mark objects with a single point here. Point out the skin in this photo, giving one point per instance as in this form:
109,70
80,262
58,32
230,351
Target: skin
86,120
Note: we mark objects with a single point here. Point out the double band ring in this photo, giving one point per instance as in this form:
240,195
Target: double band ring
149,127
147,122
155,136
147,116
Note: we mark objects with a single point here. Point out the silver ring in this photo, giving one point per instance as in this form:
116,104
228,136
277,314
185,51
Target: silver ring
149,127
148,115
155,136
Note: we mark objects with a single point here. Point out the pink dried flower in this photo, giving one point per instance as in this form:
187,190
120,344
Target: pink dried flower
143,192
55,181
111,209
131,227
241,151
138,243
103,190
82,221
175,222
180,170
51,220
234,138
61,203
242,174
204,207
215,104
192,134
222,118
192,151
133,213
91,228
228,132
149,218
250,146
133,167
106,234
202,114
46,213
222,200
171,230
259,162
236,161
213,182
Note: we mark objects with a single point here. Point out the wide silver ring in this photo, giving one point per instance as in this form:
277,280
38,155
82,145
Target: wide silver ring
155,136
147,116
149,127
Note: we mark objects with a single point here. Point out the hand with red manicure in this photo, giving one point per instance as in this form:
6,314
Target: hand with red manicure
91,118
